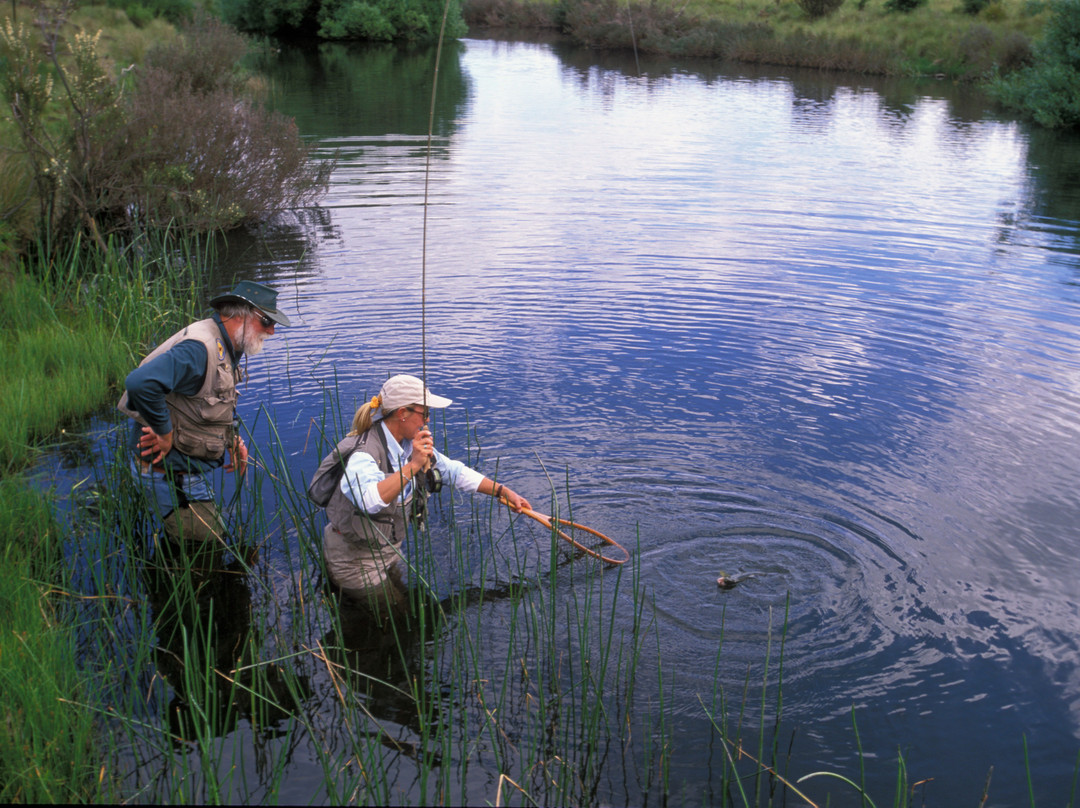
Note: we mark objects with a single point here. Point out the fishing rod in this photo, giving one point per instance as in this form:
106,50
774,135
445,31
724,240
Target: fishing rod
554,524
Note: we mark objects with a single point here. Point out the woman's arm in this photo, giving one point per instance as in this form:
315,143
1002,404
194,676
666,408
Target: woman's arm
500,491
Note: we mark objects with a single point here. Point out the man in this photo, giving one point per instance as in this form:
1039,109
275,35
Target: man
182,398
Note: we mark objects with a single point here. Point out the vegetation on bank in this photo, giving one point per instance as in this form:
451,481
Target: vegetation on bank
119,142
1048,89
66,335
177,142
963,39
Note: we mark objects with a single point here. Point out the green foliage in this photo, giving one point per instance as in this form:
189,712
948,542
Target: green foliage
819,8
376,20
141,12
904,6
355,19
1048,91
269,17
179,145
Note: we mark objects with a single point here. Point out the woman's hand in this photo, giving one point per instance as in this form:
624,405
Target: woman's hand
513,499
423,451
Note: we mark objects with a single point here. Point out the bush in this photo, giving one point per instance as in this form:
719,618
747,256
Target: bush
142,12
182,147
379,20
206,59
819,8
1048,90
904,6
270,17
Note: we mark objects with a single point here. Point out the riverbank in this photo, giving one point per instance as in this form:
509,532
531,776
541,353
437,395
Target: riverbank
69,333
965,40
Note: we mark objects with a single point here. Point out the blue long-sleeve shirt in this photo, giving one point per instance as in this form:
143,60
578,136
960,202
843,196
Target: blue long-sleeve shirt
180,370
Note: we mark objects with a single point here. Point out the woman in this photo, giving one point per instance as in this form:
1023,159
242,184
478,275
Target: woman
383,488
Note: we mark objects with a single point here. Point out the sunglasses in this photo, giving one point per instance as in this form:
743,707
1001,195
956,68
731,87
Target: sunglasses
264,321
424,411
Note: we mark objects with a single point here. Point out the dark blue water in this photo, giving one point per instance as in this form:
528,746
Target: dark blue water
812,327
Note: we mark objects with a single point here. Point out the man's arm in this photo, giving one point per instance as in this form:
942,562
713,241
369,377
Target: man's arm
182,370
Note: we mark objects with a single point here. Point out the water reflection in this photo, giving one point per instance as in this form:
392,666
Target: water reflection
364,90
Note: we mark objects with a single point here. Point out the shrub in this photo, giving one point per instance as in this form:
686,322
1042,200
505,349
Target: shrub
205,59
1048,90
208,160
904,6
357,20
269,17
181,147
142,12
983,50
816,9
379,20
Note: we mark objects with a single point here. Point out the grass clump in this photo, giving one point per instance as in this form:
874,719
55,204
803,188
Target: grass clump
46,743
66,342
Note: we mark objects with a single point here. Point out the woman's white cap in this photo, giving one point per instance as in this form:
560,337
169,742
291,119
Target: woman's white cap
404,390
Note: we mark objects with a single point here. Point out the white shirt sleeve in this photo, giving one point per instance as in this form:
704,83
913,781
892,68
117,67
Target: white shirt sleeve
360,482
457,474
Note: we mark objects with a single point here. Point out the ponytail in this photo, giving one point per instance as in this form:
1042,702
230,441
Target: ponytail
363,419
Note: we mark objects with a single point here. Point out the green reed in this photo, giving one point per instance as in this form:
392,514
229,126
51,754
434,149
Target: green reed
68,333
521,672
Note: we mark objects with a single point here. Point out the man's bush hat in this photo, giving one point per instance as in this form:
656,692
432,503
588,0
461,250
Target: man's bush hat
261,297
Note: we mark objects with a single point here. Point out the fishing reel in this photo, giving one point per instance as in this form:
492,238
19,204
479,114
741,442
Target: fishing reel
433,481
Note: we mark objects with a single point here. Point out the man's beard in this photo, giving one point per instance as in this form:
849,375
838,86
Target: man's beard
251,339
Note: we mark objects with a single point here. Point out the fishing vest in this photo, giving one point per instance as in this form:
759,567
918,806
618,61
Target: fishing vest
202,423
388,526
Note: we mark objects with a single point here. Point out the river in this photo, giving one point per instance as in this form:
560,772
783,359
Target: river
817,327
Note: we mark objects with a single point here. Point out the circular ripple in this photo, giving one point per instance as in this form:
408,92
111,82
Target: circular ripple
816,587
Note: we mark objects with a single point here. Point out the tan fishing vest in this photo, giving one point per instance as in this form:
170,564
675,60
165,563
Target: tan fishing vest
202,423
385,527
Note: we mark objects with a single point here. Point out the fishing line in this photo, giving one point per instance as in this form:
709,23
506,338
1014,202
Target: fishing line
633,37
550,522
427,183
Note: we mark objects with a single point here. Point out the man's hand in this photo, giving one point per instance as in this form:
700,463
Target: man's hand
153,447
238,457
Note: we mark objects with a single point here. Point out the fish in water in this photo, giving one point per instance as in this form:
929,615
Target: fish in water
726,581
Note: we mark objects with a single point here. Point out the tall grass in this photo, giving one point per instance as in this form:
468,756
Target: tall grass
69,331
521,673
45,748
